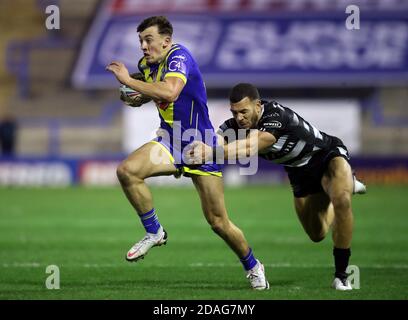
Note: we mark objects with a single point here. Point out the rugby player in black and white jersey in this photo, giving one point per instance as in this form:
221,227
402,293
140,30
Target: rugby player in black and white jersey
317,165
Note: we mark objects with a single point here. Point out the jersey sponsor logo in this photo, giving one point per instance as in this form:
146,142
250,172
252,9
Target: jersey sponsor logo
273,124
273,114
180,56
178,66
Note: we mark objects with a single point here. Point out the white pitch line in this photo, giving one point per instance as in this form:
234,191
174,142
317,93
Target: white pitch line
196,265
21,265
290,265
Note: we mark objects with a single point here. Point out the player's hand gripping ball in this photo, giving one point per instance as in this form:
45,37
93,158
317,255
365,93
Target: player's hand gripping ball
132,97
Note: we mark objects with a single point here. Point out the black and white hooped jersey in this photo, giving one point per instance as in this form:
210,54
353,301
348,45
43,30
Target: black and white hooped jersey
296,139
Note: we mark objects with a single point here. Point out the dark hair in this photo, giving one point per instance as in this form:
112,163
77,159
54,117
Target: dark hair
163,25
242,90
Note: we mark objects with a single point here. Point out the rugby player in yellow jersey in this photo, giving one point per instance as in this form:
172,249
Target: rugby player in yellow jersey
174,82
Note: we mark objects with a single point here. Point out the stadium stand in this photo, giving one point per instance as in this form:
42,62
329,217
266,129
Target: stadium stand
57,119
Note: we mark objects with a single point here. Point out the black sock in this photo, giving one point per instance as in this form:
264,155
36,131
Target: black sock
341,260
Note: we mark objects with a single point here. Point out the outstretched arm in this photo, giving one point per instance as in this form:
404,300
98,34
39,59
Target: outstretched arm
255,141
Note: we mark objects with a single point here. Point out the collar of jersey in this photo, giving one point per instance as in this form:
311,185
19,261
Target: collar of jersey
156,65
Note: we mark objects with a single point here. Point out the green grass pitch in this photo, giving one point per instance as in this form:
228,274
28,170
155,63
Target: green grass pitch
87,231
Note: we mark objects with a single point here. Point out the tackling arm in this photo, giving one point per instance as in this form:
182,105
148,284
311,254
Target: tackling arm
255,141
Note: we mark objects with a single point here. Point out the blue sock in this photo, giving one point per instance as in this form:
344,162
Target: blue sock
249,261
150,221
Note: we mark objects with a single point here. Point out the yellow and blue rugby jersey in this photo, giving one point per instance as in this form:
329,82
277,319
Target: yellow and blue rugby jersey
190,110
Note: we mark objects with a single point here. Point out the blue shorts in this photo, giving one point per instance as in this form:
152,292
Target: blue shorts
175,155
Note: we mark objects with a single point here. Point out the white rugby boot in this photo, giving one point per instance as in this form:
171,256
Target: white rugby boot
140,249
257,277
341,285
358,187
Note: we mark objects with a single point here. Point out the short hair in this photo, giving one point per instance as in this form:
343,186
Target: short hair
242,90
163,25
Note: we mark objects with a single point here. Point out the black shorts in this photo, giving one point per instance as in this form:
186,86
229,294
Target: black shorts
307,179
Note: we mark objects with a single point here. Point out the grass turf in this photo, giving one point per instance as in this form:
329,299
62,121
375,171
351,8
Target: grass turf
87,231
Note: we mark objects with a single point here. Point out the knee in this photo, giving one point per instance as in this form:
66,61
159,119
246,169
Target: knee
126,173
218,225
315,237
341,202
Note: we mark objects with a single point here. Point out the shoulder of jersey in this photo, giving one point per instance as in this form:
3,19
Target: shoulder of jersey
272,110
177,49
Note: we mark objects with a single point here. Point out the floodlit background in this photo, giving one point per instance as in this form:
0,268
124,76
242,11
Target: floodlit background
62,125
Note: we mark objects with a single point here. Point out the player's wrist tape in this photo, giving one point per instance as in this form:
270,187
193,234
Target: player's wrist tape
218,154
